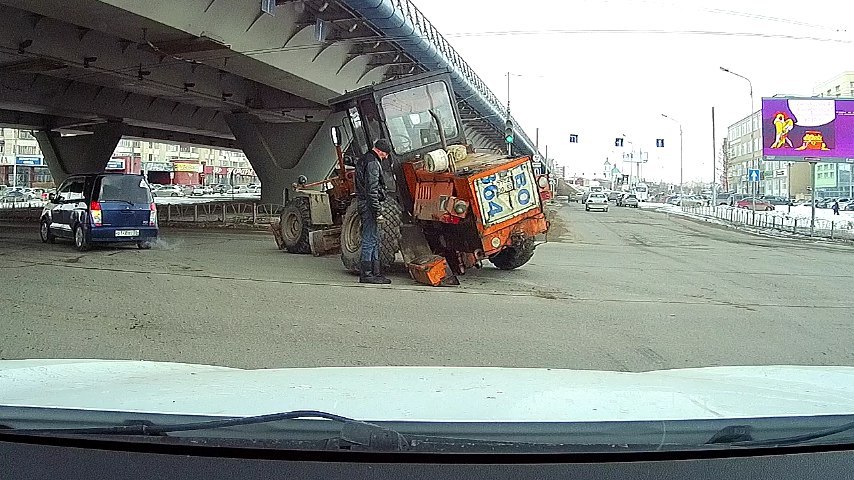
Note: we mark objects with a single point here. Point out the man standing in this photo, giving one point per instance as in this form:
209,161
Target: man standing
370,193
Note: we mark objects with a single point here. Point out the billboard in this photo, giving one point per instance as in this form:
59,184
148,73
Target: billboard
808,129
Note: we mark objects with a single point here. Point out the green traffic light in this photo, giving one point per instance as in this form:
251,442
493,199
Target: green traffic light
508,139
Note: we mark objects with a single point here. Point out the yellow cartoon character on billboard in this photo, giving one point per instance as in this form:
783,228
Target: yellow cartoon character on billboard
813,140
782,126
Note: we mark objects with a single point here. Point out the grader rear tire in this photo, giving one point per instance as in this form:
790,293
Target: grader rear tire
514,257
351,235
296,225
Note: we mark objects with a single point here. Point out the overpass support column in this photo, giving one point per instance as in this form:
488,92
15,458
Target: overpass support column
281,152
85,153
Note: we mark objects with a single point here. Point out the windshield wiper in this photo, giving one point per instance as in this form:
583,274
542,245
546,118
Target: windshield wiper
742,436
353,432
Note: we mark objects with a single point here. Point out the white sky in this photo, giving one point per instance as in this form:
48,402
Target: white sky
600,85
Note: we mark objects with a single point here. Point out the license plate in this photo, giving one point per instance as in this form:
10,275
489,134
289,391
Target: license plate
504,184
127,233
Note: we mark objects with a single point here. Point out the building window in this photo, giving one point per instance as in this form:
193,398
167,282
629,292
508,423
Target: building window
25,135
137,144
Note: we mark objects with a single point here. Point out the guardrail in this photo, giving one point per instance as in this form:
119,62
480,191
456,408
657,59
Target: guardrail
251,213
778,221
226,213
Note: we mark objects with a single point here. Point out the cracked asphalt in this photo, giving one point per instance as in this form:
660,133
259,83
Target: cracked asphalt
627,290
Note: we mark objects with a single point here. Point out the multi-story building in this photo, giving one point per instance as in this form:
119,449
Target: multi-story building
744,138
22,162
841,85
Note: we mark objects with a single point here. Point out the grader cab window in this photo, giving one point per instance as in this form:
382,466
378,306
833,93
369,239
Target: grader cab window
411,126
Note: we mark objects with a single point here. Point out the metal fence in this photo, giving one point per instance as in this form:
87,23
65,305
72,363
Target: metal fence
227,213
220,212
834,229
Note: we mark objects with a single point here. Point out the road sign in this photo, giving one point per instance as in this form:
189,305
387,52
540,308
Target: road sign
753,175
618,142
659,142
573,138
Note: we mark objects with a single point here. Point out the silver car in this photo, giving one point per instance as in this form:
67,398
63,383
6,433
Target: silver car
597,201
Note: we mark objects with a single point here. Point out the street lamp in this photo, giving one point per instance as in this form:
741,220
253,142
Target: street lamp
752,130
681,188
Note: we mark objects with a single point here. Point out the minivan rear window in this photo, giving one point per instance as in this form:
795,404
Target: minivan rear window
124,188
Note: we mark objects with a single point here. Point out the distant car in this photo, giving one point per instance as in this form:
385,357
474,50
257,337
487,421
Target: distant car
843,203
101,208
629,200
824,203
237,189
759,205
15,196
596,201
775,200
722,199
849,207
202,190
613,196
169,191
256,189
692,201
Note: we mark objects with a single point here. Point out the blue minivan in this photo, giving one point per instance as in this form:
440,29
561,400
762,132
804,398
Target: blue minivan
101,208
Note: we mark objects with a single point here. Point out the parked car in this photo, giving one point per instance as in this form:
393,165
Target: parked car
101,208
596,201
776,200
202,190
15,196
692,201
849,207
254,189
758,204
824,203
614,195
629,200
236,189
735,198
169,191
843,203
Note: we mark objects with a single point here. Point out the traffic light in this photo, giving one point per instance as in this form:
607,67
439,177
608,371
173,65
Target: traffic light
508,131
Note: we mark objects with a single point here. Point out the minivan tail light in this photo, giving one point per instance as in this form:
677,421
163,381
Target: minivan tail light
152,216
95,210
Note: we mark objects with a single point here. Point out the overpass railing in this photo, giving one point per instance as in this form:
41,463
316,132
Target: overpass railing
376,12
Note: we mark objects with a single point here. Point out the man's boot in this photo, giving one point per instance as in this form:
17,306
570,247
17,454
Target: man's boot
366,273
378,274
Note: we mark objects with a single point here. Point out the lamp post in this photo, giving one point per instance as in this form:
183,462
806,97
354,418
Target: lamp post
681,187
752,130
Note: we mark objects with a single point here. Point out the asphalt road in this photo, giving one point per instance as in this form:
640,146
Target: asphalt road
626,290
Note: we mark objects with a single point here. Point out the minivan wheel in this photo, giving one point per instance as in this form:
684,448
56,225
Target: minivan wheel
44,232
80,239
173,195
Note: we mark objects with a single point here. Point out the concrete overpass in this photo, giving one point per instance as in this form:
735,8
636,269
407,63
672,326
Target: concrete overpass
254,75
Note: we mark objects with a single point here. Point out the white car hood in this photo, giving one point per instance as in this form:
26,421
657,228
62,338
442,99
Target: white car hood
430,393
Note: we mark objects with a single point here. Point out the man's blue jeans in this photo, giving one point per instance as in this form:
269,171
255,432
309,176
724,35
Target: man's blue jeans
370,237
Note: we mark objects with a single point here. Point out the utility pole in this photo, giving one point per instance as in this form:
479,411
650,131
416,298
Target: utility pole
714,161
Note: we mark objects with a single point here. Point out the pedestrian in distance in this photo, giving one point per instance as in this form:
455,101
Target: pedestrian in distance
370,193
835,207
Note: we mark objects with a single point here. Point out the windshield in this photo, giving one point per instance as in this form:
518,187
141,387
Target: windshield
578,251
408,115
